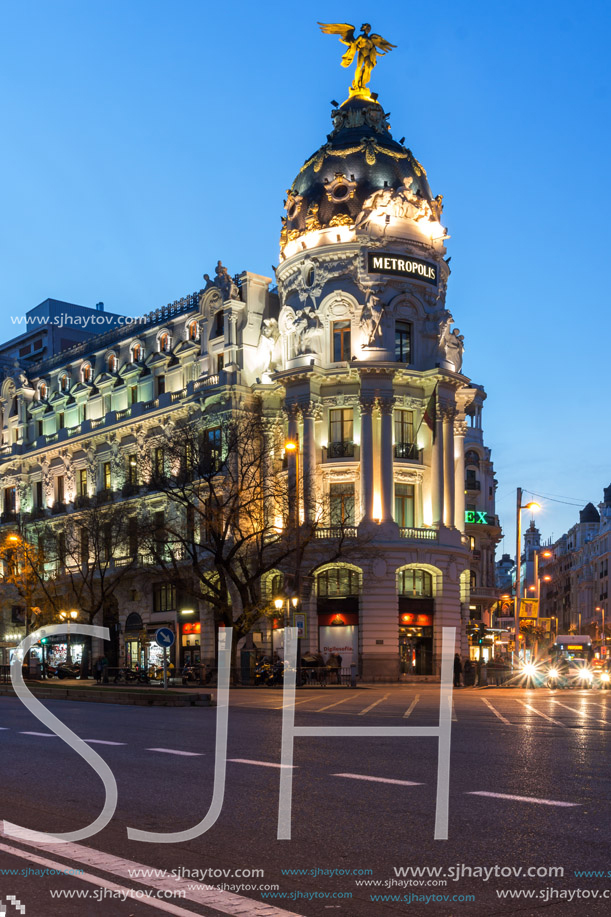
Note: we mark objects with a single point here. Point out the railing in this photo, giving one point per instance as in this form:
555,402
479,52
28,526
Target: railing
420,534
343,449
122,414
408,451
58,508
207,381
336,531
472,485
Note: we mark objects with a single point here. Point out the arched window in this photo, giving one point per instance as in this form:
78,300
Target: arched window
86,373
63,383
134,622
164,342
338,582
136,352
42,391
193,331
276,585
416,583
473,579
111,363
472,458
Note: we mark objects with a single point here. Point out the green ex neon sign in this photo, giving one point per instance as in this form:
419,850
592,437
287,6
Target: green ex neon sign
476,517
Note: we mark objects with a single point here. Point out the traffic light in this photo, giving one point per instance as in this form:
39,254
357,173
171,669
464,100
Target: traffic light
482,632
44,640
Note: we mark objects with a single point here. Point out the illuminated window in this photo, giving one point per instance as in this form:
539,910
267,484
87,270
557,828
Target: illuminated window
164,342
136,353
405,447
417,583
63,383
404,505
340,433
111,363
341,502
132,469
192,333
403,342
106,475
86,373
164,597
341,341
338,583
42,391
81,482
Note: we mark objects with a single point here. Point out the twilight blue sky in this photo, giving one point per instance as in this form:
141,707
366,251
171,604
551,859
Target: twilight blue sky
143,140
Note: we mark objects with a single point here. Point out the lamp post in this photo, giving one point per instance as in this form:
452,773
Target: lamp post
283,603
519,508
67,616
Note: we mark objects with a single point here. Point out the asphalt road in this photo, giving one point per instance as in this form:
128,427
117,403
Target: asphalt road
547,748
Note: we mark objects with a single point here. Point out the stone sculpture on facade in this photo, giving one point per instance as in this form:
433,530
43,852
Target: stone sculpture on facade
365,46
451,344
225,283
371,319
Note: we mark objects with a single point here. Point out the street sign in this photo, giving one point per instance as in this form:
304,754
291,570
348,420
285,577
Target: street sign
164,637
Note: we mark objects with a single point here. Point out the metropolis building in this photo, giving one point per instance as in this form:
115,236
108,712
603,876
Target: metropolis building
352,348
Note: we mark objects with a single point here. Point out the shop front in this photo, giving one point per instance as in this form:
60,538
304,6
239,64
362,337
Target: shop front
416,640
338,635
190,642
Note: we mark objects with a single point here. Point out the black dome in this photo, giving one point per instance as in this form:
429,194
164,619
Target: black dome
360,157
589,513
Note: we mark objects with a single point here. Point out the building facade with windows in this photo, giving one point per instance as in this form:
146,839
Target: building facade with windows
352,351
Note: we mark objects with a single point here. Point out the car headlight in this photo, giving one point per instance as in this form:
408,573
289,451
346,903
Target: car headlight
529,669
585,674
553,673
605,676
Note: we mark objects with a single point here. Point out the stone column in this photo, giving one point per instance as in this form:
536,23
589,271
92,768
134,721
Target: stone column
386,458
437,472
448,468
293,434
460,430
310,413
366,405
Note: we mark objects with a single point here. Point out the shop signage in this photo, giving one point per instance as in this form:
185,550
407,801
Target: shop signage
406,266
413,620
529,608
476,517
343,641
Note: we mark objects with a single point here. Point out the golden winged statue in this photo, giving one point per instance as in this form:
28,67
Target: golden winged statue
366,46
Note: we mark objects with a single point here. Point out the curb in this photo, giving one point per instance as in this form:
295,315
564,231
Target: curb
90,695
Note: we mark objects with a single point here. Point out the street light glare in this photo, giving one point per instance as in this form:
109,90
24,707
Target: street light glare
290,445
534,506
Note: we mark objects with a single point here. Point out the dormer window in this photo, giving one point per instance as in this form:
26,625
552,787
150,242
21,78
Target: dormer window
86,373
136,353
164,342
192,331
64,383
42,391
111,363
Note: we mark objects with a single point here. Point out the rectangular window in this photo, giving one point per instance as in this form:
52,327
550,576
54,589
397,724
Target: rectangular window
212,449
340,433
219,325
159,462
39,497
39,427
133,394
132,469
220,362
341,341
60,488
405,448
341,500
404,505
106,404
10,500
132,535
403,342
160,385
164,597
60,420
81,482
83,412
106,476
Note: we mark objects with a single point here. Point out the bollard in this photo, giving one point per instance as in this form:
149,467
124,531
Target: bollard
353,674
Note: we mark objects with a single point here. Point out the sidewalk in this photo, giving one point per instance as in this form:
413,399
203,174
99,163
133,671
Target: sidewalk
90,691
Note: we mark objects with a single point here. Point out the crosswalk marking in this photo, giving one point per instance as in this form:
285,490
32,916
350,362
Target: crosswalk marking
336,704
544,715
371,706
379,779
496,712
541,802
588,716
412,705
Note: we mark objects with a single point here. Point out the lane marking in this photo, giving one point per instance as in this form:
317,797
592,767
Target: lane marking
174,751
541,802
371,706
544,715
336,704
223,902
379,779
412,705
260,763
296,704
496,712
588,716
47,735
454,717
102,742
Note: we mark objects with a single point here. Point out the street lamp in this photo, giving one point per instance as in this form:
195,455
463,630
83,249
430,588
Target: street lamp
532,506
603,641
67,616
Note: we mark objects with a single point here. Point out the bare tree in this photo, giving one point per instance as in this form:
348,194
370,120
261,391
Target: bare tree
229,516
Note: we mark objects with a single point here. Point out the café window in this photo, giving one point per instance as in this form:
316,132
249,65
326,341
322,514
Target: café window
338,582
341,341
164,597
404,505
403,342
341,501
417,583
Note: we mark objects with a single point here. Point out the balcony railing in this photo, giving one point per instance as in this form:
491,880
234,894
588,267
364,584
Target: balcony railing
8,517
420,534
471,484
343,449
336,531
408,451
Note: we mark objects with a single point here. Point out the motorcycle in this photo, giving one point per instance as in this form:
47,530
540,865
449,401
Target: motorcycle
68,670
125,676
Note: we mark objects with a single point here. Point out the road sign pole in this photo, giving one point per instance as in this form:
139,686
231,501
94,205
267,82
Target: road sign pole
165,669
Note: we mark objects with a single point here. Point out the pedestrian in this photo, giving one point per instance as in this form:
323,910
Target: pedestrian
468,672
104,664
457,670
98,670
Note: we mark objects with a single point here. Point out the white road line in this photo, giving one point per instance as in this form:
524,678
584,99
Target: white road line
223,902
538,712
5,728
47,735
102,742
336,704
296,704
371,706
588,716
378,779
412,705
174,751
260,763
496,712
541,802
454,717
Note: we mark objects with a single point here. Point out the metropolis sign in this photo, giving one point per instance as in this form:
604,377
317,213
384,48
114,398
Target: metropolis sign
388,263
